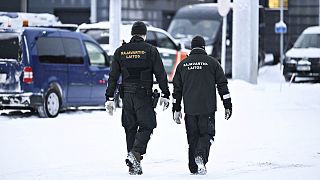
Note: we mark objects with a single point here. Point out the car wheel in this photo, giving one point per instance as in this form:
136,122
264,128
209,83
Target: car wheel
52,104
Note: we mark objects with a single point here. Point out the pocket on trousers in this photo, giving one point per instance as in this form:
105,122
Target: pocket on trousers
143,100
147,118
211,125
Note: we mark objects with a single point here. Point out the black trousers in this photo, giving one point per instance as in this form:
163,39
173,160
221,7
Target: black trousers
138,120
200,131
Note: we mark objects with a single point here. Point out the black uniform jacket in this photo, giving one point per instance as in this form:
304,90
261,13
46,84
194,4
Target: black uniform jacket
196,80
137,61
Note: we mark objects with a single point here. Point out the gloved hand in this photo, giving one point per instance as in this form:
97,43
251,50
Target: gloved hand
176,110
110,106
227,106
177,115
228,113
165,101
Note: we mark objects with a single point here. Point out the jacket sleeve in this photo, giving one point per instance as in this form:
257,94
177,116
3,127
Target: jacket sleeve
222,86
159,72
177,89
113,75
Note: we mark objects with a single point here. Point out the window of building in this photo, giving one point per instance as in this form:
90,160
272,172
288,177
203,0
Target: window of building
277,3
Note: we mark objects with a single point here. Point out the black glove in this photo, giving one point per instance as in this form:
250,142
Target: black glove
227,103
176,107
228,113
228,108
108,97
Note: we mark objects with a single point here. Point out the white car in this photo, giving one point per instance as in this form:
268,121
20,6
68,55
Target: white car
170,50
303,59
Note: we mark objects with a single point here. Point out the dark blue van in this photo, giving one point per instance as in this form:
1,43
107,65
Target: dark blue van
50,69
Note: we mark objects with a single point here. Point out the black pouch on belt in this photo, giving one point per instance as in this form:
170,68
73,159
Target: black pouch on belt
155,98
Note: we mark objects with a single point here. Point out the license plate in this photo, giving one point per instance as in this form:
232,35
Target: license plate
303,68
3,78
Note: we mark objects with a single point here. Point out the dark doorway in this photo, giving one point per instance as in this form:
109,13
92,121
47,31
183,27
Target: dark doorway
11,6
73,16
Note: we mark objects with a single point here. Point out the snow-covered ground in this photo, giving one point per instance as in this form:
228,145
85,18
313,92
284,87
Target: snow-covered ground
272,134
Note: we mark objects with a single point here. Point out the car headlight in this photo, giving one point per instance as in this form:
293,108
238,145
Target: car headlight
304,62
290,60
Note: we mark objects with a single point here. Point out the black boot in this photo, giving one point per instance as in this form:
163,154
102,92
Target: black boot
133,161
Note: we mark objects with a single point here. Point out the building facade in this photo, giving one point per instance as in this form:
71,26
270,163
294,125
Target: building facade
157,12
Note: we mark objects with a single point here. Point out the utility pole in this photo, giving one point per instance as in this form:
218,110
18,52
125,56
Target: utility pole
24,5
245,40
115,22
93,11
223,43
281,28
281,34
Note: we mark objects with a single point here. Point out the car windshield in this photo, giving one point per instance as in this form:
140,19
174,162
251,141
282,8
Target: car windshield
308,41
100,35
188,28
9,45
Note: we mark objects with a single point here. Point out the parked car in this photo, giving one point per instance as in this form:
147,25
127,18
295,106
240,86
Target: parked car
50,69
170,50
303,59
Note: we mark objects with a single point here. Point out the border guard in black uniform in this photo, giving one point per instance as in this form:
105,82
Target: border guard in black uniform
195,81
136,62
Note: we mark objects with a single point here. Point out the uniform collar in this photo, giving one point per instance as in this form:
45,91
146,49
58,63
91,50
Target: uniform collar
198,51
136,39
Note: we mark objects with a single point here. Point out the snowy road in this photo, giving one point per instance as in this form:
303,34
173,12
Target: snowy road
273,134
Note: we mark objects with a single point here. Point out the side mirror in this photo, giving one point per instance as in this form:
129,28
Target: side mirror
178,47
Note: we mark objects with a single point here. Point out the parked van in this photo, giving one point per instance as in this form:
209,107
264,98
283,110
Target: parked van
50,69
303,59
204,19
16,19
